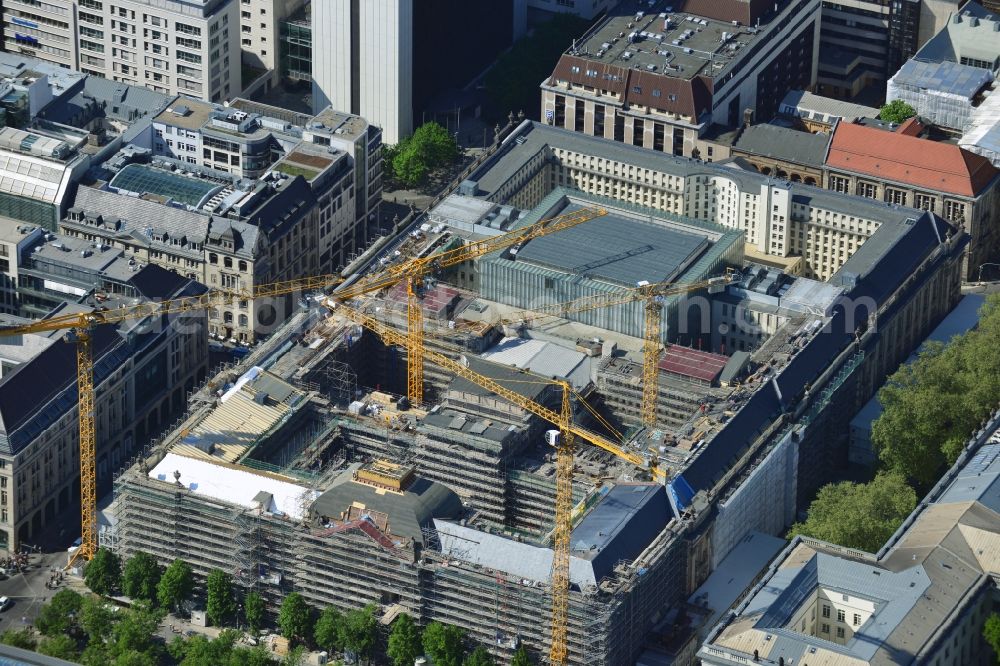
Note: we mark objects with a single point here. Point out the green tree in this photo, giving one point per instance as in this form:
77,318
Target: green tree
295,617
97,620
20,638
175,585
141,576
437,146
512,82
404,641
59,615
443,644
295,657
103,573
991,632
521,657
932,406
255,656
479,657
859,515
360,630
221,603
409,165
896,111
135,632
201,651
253,609
95,654
329,629
61,647
136,658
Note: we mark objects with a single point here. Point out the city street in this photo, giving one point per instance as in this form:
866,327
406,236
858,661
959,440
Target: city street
27,589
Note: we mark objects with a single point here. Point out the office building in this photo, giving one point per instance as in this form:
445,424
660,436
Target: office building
386,60
863,43
891,164
926,594
176,48
144,370
260,34
648,76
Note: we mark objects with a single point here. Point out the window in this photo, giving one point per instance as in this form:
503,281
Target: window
840,615
925,201
840,632
857,619
826,611
825,628
243,266
244,321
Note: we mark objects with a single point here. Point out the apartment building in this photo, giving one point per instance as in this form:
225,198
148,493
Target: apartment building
650,76
143,371
895,166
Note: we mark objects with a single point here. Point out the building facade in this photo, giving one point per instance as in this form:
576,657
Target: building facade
863,43
260,33
143,371
659,80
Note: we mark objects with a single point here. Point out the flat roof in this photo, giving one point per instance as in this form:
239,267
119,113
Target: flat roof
143,179
656,39
948,78
617,249
235,485
187,113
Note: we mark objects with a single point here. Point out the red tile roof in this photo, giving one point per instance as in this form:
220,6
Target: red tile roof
906,159
688,362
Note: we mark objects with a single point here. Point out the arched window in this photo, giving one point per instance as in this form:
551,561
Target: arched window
227,317
244,320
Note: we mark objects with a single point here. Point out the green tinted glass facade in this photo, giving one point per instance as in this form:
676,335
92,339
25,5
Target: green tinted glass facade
28,210
296,50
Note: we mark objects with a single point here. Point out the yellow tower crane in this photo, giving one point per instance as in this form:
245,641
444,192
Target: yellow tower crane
654,296
569,432
81,326
415,270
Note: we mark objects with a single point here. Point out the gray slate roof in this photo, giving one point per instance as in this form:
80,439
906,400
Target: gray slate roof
616,249
409,512
102,98
783,143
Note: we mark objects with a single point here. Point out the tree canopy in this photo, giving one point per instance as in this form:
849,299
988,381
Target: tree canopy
404,641
103,573
991,632
512,83
176,584
360,631
896,111
19,638
221,603
58,616
479,657
253,609
521,657
329,630
61,647
431,147
932,406
295,617
859,515
443,644
141,576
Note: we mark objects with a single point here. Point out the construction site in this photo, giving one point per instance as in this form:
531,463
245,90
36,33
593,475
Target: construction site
395,442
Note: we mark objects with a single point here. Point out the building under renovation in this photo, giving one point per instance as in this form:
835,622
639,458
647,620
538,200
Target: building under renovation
303,470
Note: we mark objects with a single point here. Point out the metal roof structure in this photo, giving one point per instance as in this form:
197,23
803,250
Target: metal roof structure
945,78
617,249
693,363
811,106
141,179
542,357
